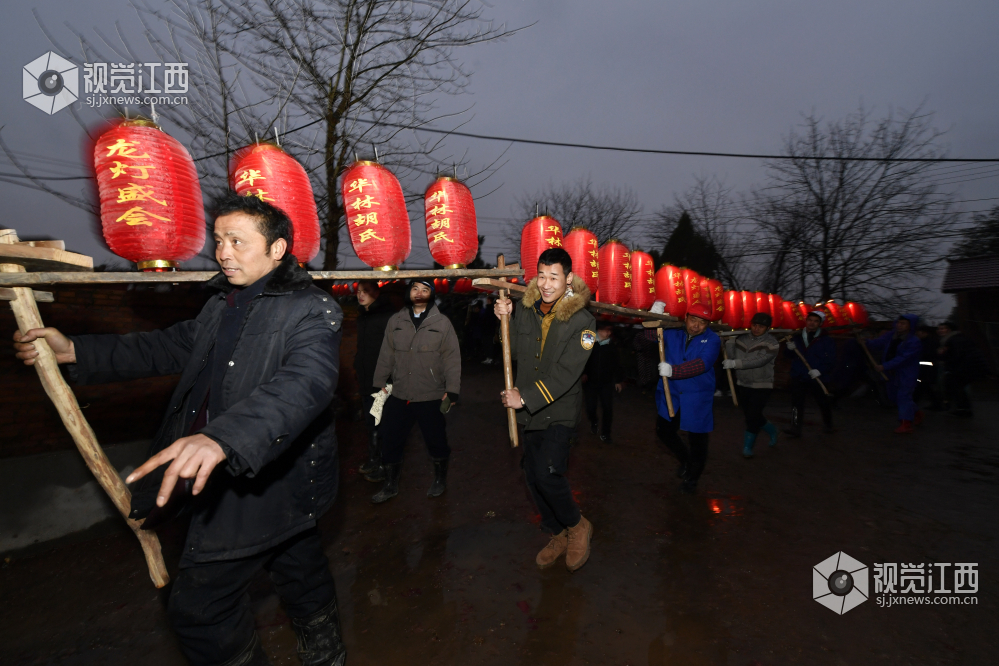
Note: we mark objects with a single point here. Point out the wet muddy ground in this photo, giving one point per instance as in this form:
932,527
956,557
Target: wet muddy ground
723,577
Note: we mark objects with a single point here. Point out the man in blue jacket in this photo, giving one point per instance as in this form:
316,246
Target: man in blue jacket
820,352
691,352
901,350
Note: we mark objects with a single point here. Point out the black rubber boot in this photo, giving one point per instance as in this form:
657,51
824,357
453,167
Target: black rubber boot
795,429
391,487
319,639
251,655
374,459
440,478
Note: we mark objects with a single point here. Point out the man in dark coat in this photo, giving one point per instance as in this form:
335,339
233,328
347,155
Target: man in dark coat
421,358
373,315
551,337
249,424
820,352
962,363
601,378
900,351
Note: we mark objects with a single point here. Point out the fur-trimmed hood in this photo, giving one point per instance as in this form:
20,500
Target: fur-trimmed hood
287,277
566,307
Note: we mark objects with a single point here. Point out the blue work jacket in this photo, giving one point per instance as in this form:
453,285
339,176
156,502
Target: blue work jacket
693,398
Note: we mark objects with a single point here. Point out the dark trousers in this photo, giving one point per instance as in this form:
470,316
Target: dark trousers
753,401
369,420
209,606
545,461
956,386
604,395
803,387
693,458
398,418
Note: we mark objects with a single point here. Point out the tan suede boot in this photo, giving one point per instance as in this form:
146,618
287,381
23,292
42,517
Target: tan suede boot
578,550
550,553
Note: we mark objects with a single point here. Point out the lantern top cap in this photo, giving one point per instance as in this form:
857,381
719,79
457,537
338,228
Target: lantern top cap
139,122
450,178
614,240
264,145
365,163
579,228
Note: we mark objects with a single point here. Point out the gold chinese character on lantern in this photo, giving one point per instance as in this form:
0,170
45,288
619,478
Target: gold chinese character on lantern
260,194
552,228
593,274
439,210
366,202
593,264
443,223
120,169
136,216
651,281
368,234
124,149
365,219
439,236
593,253
138,193
627,284
249,176
593,242
438,196
554,241
359,185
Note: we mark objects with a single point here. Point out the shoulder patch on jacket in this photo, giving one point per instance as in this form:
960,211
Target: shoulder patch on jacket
587,339
330,310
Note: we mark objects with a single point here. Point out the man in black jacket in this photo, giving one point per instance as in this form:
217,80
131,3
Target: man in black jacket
249,424
601,379
961,365
373,315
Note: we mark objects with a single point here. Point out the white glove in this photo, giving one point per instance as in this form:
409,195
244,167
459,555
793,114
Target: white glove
665,369
814,374
379,404
658,307
729,364
790,346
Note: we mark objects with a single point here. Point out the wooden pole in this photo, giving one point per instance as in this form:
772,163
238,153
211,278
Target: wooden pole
28,317
870,356
728,371
662,359
511,413
802,357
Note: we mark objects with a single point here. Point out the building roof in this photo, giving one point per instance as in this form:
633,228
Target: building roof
969,274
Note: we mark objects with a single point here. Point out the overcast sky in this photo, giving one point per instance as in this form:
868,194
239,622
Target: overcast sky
732,76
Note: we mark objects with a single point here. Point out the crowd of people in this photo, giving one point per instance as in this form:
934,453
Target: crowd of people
248,448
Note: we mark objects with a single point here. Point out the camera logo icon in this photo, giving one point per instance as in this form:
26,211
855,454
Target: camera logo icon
50,83
840,583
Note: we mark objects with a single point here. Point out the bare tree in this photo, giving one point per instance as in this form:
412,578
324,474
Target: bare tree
341,76
718,219
862,225
607,211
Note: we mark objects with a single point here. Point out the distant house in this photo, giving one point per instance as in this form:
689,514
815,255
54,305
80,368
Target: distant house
975,283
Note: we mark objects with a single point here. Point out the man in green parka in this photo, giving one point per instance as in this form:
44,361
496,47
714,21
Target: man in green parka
551,338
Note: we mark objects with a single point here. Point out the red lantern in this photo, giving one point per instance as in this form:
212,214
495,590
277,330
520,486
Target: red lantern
152,212
792,317
776,308
669,290
748,308
856,313
376,215
264,170
538,235
804,309
614,283
441,285
692,287
581,244
462,285
451,230
733,309
643,284
836,313
713,295
763,303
